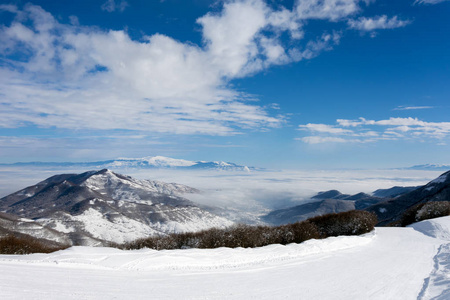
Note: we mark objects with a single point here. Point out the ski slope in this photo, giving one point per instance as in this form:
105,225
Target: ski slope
389,263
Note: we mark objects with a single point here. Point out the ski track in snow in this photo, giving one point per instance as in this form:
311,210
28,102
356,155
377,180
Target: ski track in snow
437,285
390,263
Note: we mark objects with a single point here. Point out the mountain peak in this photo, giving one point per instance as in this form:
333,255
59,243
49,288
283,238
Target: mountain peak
103,171
102,205
331,194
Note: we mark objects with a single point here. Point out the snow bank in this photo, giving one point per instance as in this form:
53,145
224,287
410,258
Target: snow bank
191,259
437,285
390,263
437,228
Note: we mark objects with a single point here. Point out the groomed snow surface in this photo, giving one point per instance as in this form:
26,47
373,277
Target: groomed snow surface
389,263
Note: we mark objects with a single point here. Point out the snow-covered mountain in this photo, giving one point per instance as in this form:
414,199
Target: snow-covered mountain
326,202
155,162
308,210
98,206
392,210
388,204
394,191
15,225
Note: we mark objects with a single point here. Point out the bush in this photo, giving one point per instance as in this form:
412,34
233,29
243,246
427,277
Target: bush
425,211
353,222
246,236
240,235
25,245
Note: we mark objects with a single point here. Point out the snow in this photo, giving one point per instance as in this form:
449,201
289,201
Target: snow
155,161
126,187
432,184
120,229
437,228
25,220
56,225
389,263
440,179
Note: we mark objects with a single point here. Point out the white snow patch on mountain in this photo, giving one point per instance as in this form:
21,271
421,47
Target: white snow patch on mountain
124,187
156,161
440,179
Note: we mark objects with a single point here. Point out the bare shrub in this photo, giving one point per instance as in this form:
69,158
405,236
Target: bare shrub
353,222
425,211
246,236
303,231
239,235
25,245
433,210
211,238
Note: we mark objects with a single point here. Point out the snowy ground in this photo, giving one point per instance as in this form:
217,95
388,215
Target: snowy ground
390,263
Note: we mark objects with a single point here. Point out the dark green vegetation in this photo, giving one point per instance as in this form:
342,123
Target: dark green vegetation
347,223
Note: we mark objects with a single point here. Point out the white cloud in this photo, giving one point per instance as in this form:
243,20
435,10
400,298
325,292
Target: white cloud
378,22
111,6
321,139
80,77
249,194
350,123
231,36
324,128
315,47
412,107
428,1
372,131
9,8
332,10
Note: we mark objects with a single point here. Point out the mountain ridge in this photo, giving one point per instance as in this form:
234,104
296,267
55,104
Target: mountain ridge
391,211
152,162
97,207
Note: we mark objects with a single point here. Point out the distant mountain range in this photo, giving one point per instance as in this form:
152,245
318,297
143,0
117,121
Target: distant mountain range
97,207
162,162
388,204
323,203
152,162
430,167
391,210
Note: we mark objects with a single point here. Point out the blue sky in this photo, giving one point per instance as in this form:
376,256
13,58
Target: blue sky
278,84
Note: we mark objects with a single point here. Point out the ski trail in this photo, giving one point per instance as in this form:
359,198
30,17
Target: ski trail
437,285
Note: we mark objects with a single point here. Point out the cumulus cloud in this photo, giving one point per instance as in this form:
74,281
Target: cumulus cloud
78,77
111,6
364,131
378,22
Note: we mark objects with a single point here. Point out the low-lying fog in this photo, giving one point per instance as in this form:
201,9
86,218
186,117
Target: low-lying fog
257,191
